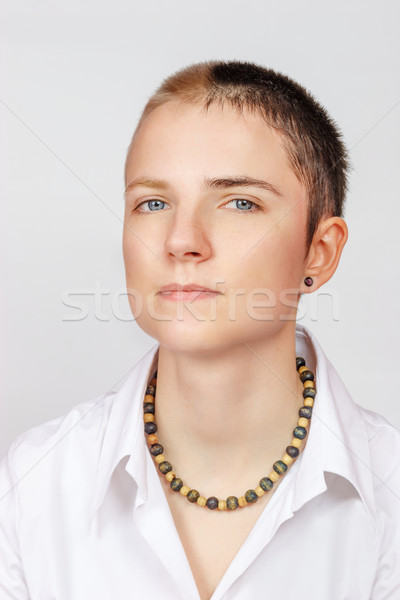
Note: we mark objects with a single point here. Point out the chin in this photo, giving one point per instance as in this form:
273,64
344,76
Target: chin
191,337
201,333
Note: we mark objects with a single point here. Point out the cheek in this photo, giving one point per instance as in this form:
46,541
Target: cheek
137,252
277,260
288,242
128,250
133,250
274,267
290,251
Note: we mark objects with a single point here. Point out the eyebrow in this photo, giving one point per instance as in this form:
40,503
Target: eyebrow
219,183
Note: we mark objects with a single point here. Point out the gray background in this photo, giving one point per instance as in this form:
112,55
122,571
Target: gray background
74,79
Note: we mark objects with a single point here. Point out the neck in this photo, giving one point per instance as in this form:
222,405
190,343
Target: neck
229,412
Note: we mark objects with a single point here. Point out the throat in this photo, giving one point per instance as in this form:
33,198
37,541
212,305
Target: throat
216,462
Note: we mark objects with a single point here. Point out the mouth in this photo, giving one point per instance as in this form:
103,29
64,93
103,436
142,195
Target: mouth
190,291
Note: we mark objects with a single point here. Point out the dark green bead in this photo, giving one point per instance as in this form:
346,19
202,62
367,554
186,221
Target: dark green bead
309,393
266,484
193,495
176,484
280,467
165,467
305,412
150,427
300,433
151,390
251,496
300,362
156,449
292,451
148,407
232,503
212,503
306,376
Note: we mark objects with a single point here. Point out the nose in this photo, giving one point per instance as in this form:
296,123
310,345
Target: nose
187,238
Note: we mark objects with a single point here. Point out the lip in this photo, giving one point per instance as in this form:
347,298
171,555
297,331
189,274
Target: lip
188,287
188,292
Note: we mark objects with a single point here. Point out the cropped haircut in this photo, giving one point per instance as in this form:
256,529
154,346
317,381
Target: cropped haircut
310,138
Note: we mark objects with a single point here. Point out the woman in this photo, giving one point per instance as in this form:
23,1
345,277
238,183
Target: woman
210,474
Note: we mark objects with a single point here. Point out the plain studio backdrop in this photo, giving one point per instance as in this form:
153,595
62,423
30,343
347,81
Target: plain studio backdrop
75,77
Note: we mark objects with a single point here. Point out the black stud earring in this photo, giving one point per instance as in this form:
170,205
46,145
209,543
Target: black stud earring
309,281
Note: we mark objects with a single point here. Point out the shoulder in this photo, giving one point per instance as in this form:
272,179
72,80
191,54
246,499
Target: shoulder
384,450
78,433
383,469
67,450
384,443
378,426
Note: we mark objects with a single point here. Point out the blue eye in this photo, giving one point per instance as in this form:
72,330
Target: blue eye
245,205
153,205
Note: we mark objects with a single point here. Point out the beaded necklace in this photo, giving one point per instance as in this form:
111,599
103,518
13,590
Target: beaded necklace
266,484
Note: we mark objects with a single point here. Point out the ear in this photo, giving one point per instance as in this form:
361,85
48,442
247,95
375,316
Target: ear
325,252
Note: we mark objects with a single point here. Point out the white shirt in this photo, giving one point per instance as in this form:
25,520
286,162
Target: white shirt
83,515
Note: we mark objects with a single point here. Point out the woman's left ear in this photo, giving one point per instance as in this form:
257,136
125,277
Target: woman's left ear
324,253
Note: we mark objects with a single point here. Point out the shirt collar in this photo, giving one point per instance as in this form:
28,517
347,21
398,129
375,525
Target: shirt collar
338,439
124,434
337,442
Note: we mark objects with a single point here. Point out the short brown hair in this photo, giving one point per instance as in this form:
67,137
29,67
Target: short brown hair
310,137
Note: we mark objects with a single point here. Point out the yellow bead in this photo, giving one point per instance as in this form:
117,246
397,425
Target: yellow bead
309,384
296,442
148,399
222,505
302,369
287,459
201,501
184,490
242,501
259,491
170,476
152,439
160,458
309,402
273,476
148,418
303,422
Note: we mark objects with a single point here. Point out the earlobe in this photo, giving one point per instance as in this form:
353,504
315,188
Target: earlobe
324,253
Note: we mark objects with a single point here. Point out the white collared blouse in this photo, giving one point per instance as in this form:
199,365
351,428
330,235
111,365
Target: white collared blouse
83,515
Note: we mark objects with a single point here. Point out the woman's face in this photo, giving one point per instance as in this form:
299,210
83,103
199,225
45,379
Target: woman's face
192,215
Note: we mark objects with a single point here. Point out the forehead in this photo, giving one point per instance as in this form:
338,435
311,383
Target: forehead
178,138
218,122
